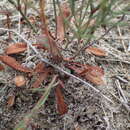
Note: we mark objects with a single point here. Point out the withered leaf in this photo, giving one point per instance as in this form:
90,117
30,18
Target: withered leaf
21,47
10,101
94,74
11,62
61,105
16,48
96,51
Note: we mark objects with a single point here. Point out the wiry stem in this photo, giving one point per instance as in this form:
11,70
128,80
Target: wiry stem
19,9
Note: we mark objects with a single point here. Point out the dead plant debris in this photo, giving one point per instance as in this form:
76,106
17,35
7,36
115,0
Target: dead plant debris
45,65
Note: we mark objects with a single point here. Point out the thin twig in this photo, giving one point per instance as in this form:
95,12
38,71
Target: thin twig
122,41
120,91
122,103
106,118
58,68
113,60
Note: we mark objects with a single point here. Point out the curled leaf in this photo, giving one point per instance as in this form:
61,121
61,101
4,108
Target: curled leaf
96,51
11,62
16,48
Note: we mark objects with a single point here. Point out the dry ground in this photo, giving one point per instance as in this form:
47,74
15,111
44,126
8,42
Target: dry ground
87,110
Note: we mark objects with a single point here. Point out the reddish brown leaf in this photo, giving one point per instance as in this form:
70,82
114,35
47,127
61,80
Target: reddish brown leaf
10,101
61,105
19,81
66,12
21,47
94,74
10,61
77,67
98,69
1,67
40,79
96,51
16,48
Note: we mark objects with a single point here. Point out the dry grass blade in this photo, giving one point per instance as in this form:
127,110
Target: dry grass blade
61,105
16,48
11,62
